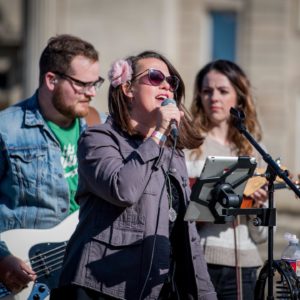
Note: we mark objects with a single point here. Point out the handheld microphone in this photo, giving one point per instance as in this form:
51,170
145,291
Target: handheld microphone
173,125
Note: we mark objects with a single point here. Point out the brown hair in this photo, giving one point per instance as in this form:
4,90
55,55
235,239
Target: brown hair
119,109
245,102
60,51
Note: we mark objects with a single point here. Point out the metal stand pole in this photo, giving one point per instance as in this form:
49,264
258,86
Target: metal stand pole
273,170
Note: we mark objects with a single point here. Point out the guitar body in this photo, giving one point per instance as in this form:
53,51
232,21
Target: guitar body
247,202
44,250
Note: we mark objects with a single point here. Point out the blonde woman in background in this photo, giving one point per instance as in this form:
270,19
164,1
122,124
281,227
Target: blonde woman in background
228,248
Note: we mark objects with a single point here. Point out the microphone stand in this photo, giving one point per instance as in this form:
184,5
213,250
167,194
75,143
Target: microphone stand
273,170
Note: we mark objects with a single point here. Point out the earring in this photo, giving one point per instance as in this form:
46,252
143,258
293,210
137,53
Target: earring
130,104
129,87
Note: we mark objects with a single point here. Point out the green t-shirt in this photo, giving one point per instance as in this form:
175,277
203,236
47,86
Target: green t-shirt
68,138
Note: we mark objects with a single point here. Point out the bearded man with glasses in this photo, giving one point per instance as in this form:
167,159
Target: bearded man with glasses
38,146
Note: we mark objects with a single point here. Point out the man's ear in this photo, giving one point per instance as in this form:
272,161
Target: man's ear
50,80
127,89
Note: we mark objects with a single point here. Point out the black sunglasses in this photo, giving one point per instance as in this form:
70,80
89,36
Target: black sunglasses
156,78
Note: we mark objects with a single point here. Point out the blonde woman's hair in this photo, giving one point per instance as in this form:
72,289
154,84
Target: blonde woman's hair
245,102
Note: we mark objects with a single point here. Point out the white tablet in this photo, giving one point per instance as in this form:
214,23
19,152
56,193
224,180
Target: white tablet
218,169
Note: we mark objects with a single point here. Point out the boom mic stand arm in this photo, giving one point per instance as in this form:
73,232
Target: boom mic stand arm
272,171
273,168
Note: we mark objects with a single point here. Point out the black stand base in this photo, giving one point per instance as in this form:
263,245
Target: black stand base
287,284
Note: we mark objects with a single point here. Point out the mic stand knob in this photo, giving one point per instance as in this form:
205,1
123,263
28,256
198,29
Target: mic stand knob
256,221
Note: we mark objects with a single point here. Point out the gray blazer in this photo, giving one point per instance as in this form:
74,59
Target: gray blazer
120,182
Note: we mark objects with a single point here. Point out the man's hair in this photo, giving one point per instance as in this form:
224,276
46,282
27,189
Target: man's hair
60,51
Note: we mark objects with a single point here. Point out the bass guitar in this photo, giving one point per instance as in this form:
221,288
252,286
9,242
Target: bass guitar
43,250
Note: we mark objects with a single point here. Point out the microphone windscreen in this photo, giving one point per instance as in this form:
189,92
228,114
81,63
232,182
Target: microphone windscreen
168,101
174,129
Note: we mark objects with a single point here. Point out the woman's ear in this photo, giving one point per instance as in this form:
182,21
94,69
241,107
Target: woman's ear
127,89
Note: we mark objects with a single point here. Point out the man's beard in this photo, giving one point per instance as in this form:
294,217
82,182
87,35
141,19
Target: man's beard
68,111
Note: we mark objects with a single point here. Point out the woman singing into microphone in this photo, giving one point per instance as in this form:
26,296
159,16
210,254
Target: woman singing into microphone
131,241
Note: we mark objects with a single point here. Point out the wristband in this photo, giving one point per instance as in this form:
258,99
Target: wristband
161,137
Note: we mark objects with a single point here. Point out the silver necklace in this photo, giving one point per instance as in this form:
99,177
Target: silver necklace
172,214
172,211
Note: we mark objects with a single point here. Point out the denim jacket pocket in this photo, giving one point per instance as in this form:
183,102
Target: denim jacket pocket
27,167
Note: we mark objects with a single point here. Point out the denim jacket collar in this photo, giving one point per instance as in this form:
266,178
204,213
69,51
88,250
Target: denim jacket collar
33,116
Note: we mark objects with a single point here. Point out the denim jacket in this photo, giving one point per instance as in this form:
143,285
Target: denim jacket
33,191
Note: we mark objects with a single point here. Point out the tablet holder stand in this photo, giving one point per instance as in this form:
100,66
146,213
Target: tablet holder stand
265,216
224,198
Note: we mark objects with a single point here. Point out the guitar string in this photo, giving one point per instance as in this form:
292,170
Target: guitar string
42,257
48,264
50,269
55,269
38,256
52,258
4,291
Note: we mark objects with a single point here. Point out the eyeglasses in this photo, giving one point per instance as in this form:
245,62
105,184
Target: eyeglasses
81,86
156,78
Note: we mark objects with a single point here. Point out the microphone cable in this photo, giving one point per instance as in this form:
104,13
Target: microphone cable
157,220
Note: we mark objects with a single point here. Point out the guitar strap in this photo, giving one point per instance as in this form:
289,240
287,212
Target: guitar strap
93,117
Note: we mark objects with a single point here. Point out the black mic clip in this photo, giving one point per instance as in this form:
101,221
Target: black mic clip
238,118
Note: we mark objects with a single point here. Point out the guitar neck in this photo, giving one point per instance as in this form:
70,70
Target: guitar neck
283,185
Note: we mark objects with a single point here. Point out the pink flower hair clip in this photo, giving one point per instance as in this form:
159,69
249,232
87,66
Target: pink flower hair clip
120,72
